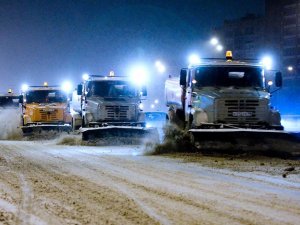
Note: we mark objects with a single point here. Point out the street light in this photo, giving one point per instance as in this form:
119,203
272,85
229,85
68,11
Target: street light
24,87
160,67
67,86
85,76
194,59
267,62
156,101
219,48
139,75
214,41
290,68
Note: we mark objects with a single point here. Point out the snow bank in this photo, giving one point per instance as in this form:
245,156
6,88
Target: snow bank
291,123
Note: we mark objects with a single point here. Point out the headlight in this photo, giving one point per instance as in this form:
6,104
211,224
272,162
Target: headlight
89,117
200,117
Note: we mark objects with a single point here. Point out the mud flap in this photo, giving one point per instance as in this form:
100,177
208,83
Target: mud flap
119,135
239,140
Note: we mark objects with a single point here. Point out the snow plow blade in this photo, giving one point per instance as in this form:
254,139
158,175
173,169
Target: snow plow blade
39,129
112,135
240,140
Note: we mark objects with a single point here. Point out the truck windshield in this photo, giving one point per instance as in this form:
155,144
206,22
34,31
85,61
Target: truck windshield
236,76
46,96
111,89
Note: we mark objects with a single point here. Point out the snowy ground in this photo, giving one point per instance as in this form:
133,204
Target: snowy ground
45,183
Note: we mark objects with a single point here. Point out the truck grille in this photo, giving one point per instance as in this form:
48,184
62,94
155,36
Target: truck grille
49,116
116,112
240,111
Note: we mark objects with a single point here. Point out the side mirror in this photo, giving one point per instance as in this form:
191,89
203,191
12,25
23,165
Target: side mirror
278,79
183,74
79,89
21,100
144,91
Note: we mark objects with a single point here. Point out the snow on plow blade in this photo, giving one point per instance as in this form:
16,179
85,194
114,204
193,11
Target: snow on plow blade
269,141
38,129
120,135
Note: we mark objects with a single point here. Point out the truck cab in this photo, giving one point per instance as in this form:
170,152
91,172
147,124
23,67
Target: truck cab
223,94
110,101
45,107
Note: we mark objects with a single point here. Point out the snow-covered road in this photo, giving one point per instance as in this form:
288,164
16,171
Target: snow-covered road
44,183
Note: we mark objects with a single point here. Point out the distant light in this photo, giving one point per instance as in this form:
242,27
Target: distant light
267,62
270,83
194,59
156,101
46,84
24,87
67,87
152,106
10,91
219,48
139,75
158,63
160,67
214,41
194,81
85,77
111,73
290,68
141,106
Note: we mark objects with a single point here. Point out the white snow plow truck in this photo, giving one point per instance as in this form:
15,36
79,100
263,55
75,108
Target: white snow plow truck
110,110
225,104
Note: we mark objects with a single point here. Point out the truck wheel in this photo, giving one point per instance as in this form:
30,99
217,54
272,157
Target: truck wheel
176,117
180,115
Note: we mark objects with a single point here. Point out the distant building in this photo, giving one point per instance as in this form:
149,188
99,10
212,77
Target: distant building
277,33
244,36
282,22
291,36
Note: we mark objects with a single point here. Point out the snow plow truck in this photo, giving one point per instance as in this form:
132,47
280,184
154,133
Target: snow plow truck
45,108
225,104
9,100
109,110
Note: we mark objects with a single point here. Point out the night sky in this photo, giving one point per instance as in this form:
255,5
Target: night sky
59,40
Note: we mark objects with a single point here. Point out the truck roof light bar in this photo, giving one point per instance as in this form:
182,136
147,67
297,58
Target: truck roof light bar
52,86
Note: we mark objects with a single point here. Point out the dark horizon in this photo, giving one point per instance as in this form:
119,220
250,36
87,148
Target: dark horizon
55,40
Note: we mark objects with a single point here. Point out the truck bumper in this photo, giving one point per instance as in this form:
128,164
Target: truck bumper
129,132
37,128
241,139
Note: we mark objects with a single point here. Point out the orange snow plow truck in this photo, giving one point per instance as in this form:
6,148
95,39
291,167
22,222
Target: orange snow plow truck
45,108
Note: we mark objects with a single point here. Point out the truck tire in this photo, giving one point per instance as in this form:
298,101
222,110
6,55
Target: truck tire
176,117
